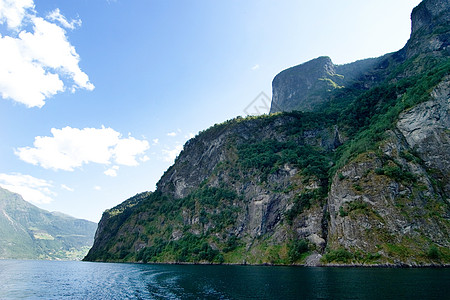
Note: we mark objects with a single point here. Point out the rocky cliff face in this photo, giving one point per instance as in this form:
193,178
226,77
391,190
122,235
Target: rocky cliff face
388,202
426,131
309,86
429,29
363,179
232,188
306,86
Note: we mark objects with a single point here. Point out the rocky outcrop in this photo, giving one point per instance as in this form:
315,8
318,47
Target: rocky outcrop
387,204
309,86
306,86
396,201
254,201
430,23
429,15
201,155
426,129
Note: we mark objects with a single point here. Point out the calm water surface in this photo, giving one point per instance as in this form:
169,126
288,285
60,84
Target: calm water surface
83,280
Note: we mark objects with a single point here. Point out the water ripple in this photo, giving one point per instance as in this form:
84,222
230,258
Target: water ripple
81,280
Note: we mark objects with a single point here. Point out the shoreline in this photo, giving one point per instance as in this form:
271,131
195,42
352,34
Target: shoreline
332,265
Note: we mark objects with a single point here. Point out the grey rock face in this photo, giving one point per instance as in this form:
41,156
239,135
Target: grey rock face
426,128
262,210
429,13
370,210
202,154
430,21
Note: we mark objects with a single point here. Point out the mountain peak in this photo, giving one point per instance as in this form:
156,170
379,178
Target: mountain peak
430,24
428,14
304,87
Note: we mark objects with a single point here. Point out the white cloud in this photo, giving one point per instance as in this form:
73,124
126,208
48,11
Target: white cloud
97,188
65,187
190,135
126,150
172,134
155,141
71,148
30,188
144,158
255,67
112,171
17,73
171,154
12,12
39,64
57,16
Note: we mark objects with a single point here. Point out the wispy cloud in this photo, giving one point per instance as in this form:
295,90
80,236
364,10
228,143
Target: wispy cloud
69,148
37,64
112,171
190,135
58,17
144,158
97,188
30,188
172,134
170,154
255,67
65,187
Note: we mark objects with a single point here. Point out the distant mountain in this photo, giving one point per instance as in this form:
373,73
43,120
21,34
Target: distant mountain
28,232
353,168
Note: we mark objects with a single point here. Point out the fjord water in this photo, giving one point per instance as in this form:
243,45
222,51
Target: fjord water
83,280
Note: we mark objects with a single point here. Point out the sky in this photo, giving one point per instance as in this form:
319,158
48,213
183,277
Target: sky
98,97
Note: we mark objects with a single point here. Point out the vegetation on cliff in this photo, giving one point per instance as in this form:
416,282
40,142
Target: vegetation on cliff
345,180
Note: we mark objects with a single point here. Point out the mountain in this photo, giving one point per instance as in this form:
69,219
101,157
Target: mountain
353,168
28,232
308,86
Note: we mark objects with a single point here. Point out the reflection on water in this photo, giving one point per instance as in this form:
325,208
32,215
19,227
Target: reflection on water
82,280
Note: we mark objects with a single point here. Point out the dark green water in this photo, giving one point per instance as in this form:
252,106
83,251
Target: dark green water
82,280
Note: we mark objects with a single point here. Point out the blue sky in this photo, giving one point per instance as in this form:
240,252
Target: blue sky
97,97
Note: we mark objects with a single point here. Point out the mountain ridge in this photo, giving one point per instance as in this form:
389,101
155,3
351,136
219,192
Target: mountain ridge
28,232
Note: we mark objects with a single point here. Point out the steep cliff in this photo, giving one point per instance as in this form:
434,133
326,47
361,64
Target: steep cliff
429,29
309,86
237,192
361,178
